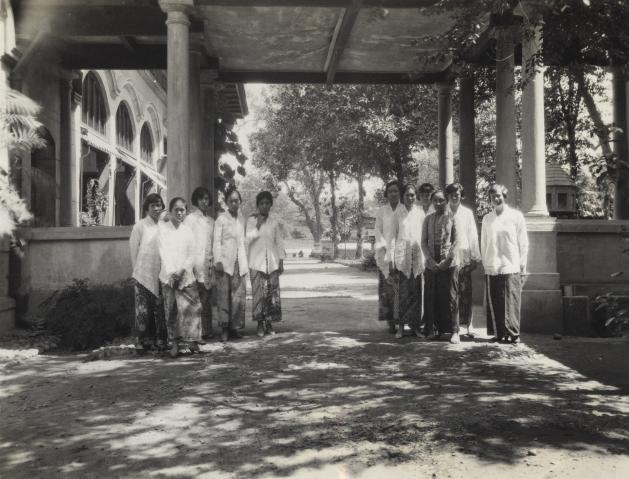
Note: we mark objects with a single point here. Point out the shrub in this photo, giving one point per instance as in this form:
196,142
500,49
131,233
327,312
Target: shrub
369,261
85,316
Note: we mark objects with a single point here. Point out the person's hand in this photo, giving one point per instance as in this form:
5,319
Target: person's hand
523,271
219,267
431,264
281,267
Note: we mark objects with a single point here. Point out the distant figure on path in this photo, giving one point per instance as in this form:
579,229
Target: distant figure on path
231,266
149,328
440,294
467,254
410,261
265,255
387,226
182,306
504,251
202,226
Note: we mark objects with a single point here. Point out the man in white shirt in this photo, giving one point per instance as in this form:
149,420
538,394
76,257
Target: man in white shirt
504,252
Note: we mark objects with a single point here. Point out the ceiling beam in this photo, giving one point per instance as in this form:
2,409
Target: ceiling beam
340,38
235,3
340,77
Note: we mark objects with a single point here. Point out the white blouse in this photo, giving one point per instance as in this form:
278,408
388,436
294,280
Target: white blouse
504,242
203,230
145,254
176,251
408,254
229,243
265,247
387,226
467,249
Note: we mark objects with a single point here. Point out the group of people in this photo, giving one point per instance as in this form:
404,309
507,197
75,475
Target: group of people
190,270
426,251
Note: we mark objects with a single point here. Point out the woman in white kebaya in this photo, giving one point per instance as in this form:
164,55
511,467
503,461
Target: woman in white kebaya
182,306
202,226
504,250
231,266
149,313
467,254
410,263
265,255
387,226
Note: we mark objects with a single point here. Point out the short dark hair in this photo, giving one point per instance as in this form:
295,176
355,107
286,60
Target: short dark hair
437,191
498,188
149,200
199,193
229,192
454,188
389,185
264,195
171,205
407,187
425,188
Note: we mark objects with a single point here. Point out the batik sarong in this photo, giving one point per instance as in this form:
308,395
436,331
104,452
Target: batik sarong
411,300
504,296
207,297
149,322
389,297
266,296
182,309
441,313
465,296
231,299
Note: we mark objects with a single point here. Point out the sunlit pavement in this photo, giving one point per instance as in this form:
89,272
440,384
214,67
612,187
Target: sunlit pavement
332,395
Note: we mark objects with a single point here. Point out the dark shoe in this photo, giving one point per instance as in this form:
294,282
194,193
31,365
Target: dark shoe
260,331
269,328
514,339
224,335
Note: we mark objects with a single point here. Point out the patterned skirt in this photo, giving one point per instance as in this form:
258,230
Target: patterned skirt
410,291
182,308
149,315
231,299
266,296
465,296
389,297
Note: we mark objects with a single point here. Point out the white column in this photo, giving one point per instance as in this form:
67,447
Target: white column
178,107
446,155
533,134
505,113
110,216
467,140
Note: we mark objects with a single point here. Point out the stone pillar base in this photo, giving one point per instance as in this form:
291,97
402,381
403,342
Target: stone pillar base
542,311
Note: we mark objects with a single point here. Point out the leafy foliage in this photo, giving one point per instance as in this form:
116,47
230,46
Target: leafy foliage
96,203
86,316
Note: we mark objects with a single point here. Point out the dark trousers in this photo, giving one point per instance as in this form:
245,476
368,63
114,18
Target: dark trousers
441,301
504,297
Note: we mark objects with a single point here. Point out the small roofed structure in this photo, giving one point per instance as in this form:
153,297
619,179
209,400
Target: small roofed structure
561,192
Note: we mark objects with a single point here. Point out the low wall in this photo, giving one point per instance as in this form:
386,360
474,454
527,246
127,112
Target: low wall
53,257
589,252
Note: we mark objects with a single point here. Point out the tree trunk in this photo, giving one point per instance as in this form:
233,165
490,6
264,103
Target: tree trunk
334,218
360,222
600,128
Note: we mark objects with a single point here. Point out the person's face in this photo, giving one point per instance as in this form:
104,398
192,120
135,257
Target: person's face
424,198
439,202
233,202
178,212
409,197
155,209
497,199
455,198
204,203
264,206
393,195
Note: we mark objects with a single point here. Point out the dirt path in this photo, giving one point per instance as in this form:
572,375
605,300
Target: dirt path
331,396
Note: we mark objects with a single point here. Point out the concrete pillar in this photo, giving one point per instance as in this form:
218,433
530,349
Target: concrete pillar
532,128
178,106
467,140
77,152
446,155
110,215
196,177
208,134
505,113
621,198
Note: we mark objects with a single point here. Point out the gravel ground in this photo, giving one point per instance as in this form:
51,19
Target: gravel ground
332,395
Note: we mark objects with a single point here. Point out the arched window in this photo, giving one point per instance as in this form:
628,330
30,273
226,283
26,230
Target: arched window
93,106
124,127
146,144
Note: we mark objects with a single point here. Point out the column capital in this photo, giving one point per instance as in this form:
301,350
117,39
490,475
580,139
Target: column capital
445,87
178,10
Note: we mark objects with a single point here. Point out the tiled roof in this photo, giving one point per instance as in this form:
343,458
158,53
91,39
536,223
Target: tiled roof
556,176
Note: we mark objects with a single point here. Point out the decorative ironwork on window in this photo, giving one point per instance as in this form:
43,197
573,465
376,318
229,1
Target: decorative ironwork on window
146,144
124,127
93,107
